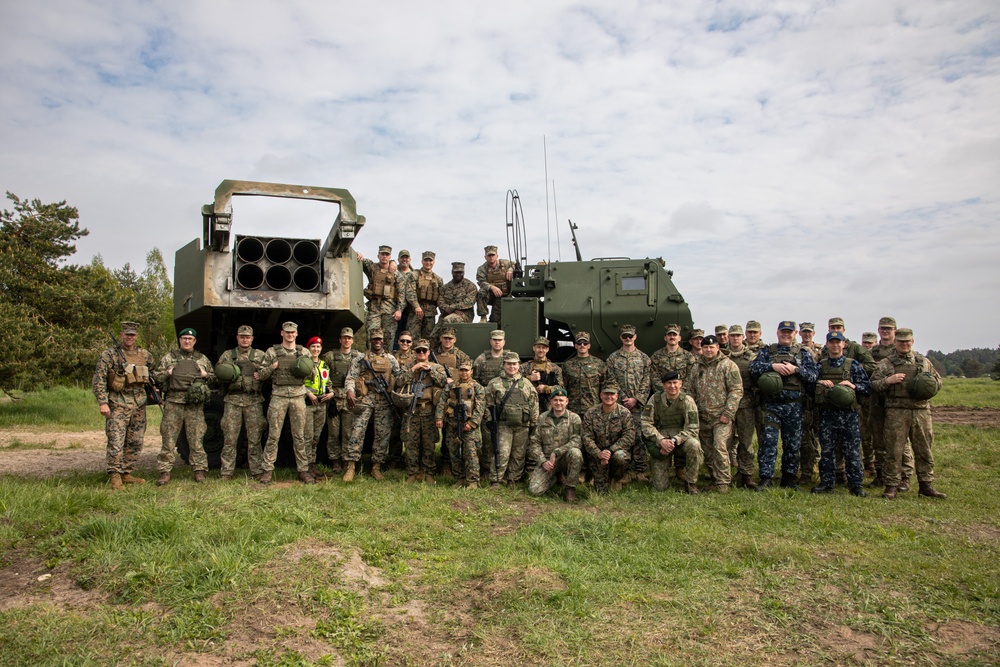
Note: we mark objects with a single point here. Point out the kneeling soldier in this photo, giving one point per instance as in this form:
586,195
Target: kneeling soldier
608,436
557,443
670,425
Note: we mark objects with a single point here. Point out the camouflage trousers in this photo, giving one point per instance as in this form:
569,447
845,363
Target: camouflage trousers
374,408
339,425
487,299
125,428
639,454
915,424
233,420
191,418
568,465
458,317
377,318
423,327
464,450
809,446
295,408
420,437
315,420
660,468
784,419
741,444
604,475
867,450
840,429
879,440
513,446
715,437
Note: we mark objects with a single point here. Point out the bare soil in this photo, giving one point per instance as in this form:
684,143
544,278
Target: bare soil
967,416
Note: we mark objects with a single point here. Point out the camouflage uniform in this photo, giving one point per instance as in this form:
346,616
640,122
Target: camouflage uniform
462,297
676,419
664,360
717,388
420,433
562,436
372,404
451,359
177,413
484,369
552,377
839,427
244,405
613,430
408,312
427,286
385,296
906,417
783,411
743,424
125,427
463,446
583,377
340,418
519,414
287,396
631,372
405,359
485,277
878,412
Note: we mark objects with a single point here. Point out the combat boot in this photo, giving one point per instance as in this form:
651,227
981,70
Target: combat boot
788,482
878,481
889,493
822,488
927,489
570,494
307,477
690,488
748,482
858,491
265,477
718,488
116,482
904,485
411,479
226,478
472,485
127,478
336,467
765,484
199,476
446,470
870,469
316,472
429,479
164,479
349,472
377,472
805,478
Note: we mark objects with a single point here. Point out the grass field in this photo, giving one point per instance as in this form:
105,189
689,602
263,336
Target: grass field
975,392
387,573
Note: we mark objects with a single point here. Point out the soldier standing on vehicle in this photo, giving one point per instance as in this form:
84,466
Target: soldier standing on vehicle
543,374
514,410
583,375
460,413
458,297
628,368
244,405
671,357
340,419
425,380
494,279
717,387
318,397
407,292
557,442
119,385
369,384
741,447
427,285
608,438
670,427
385,295
186,374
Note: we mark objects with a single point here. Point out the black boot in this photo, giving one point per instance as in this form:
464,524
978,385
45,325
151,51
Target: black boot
764,484
823,488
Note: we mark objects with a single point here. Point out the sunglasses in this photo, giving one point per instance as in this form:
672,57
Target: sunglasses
581,342
403,340
628,336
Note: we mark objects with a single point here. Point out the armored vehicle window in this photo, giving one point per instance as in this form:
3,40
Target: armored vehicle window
633,284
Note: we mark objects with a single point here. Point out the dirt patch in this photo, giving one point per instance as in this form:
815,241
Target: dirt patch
526,514
961,638
65,452
966,415
25,581
848,643
521,583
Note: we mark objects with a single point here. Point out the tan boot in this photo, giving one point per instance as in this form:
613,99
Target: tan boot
127,478
411,479
927,489
226,478
377,472
429,480
690,488
265,477
199,476
349,472
472,485
164,479
307,477
116,482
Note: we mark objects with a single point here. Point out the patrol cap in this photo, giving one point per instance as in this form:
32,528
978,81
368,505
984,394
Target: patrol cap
735,329
490,249
626,328
375,333
869,337
835,335
421,344
710,339
427,254
904,335
542,340
609,388
582,337
670,375
130,327
558,391
290,326
721,329
786,325
511,356
836,322
388,249
402,253
347,331
887,322
458,267
807,326
465,365
448,332
753,325
191,332
244,330
697,333
672,328
498,334
313,340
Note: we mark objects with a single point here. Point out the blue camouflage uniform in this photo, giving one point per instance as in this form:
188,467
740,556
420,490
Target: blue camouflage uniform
841,426
783,411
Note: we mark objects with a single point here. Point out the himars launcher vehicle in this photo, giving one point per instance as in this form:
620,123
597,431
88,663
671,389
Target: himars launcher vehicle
223,281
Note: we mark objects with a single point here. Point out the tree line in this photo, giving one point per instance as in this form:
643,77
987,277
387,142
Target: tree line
967,363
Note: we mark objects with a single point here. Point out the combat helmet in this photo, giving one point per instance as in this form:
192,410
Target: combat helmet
770,383
227,372
198,393
303,367
841,396
922,387
653,448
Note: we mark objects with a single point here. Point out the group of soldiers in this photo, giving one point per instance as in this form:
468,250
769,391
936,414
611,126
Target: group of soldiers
629,418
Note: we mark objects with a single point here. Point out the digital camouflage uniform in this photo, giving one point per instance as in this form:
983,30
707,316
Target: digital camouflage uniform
177,413
551,377
484,369
583,378
464,446
485,277
408,304
676,419
287,397
631,372
462,297
451,359
244,406
420,433
664,360
385,296
319,386
717,388
906,417
340,418
840,427
125,427
373,406
613,430
562,436
519,414
427,285
783,411
405,359
741,445
877,421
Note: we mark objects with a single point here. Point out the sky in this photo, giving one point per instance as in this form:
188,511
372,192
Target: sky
788,160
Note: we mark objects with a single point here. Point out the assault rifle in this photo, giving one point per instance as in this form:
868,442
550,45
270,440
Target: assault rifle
381,386
417,389
461,416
